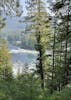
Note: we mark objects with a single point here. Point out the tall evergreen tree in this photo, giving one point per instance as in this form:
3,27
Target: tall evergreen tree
61,43
40,28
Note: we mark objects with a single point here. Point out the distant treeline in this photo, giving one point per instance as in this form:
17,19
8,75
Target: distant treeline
25,41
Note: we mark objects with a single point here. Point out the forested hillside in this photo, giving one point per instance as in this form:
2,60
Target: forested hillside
47,32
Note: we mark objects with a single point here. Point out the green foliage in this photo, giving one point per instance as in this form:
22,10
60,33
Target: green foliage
65,94
24,88
5,65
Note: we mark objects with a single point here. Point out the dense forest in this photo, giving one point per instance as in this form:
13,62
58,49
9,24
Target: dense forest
45,31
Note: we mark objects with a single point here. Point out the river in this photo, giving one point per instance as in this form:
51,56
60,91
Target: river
21,57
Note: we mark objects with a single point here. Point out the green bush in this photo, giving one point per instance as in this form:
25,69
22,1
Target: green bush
65,94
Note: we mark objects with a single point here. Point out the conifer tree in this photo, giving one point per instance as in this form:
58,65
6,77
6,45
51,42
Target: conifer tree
62,31
38,18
